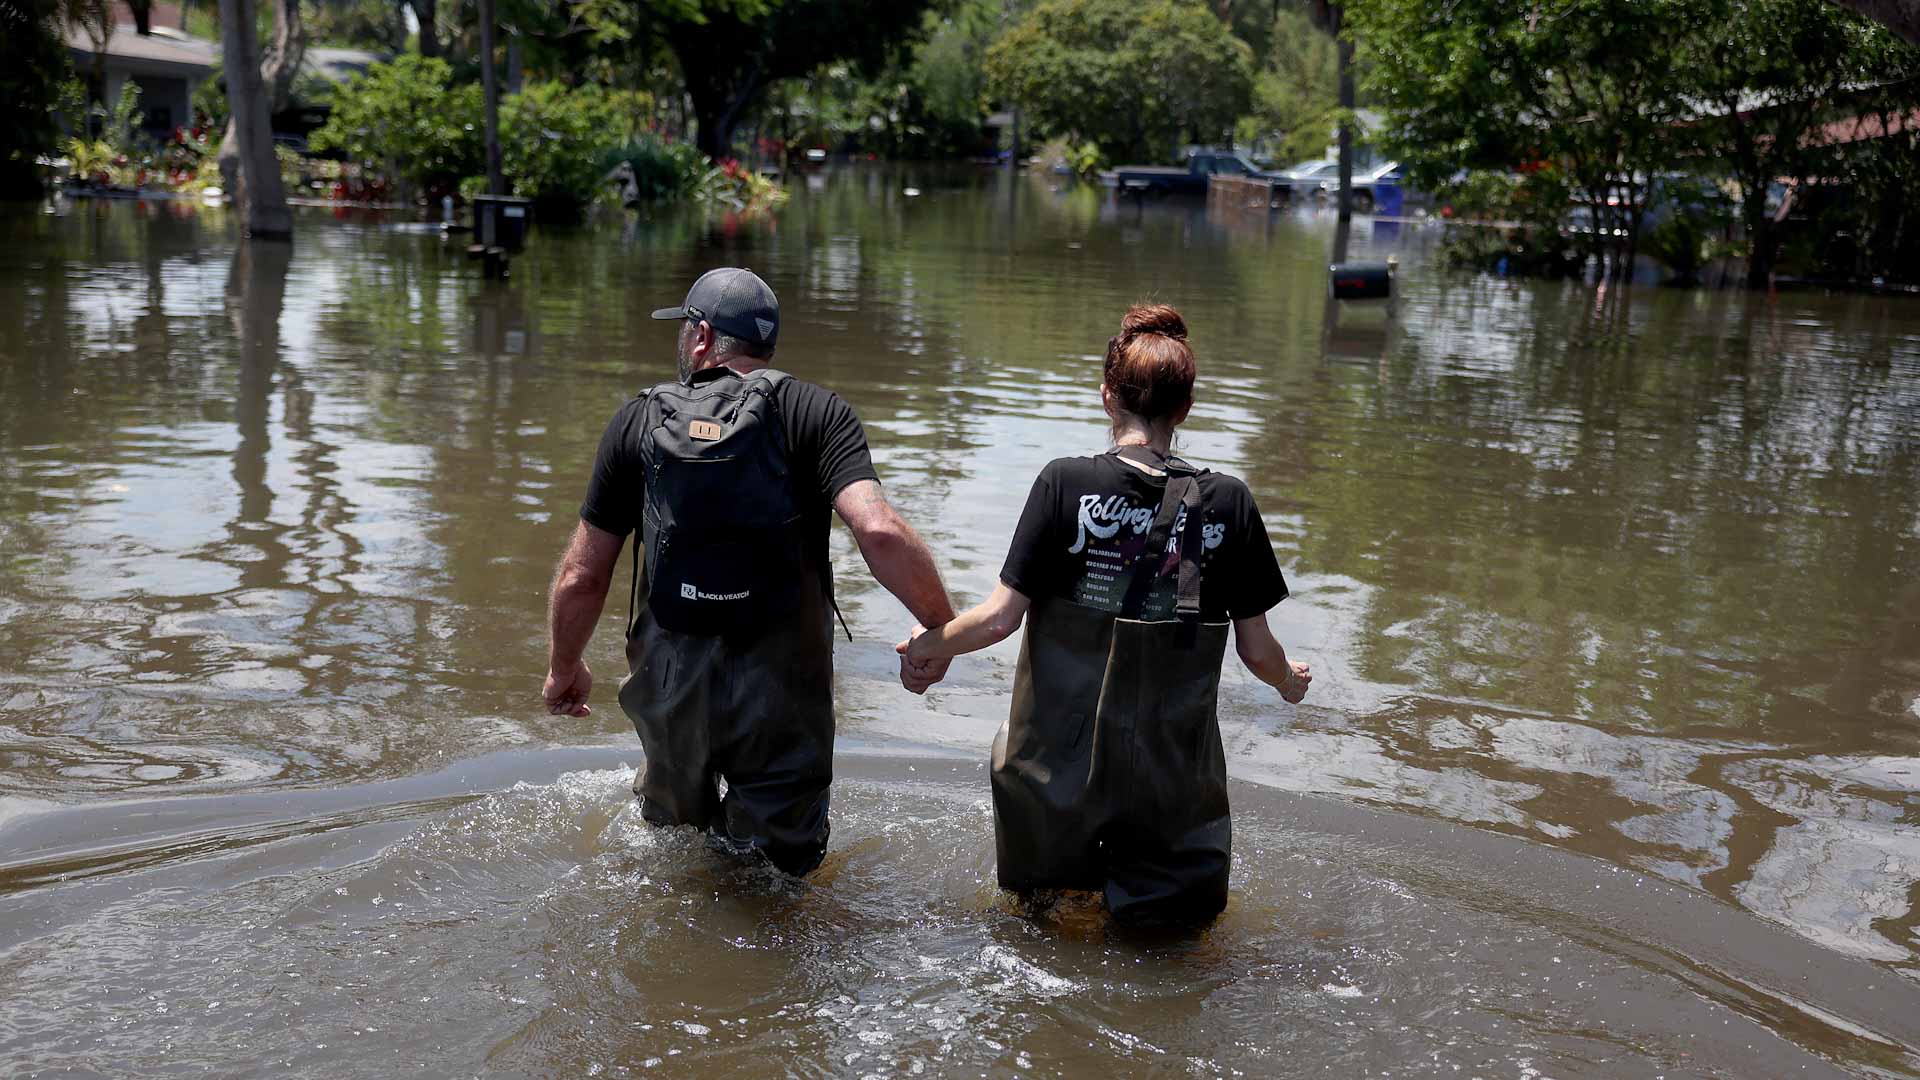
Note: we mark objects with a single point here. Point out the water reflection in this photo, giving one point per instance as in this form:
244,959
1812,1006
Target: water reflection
1629,571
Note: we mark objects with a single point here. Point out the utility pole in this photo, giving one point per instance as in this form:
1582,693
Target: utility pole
496,184
1344,45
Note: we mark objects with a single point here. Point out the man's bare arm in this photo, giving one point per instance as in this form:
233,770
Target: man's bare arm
895,553
900,561
579,593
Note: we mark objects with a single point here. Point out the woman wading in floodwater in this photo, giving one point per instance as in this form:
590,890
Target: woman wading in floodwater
1126,567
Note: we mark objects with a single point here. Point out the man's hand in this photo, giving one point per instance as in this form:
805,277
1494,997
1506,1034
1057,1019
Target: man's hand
918,676
1297,683
566,691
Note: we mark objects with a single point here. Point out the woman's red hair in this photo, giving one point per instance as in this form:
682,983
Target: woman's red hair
1150,368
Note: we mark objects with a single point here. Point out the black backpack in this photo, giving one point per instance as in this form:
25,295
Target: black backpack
721,524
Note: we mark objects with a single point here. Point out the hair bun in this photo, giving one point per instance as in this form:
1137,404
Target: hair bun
1153,319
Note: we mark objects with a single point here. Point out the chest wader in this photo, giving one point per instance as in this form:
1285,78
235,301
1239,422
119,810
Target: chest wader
753,707
1109,773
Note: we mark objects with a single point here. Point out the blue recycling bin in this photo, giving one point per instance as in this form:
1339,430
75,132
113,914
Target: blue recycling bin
1389,199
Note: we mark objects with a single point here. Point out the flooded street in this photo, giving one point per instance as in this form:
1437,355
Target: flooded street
1612,598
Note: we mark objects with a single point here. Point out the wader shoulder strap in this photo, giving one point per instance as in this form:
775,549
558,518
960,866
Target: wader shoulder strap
633,591
1153,461
1191,545
1181,491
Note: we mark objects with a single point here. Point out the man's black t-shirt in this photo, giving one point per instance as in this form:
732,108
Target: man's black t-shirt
1084,533
826,451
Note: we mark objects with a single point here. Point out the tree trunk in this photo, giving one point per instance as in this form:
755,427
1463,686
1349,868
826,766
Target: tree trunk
719,98
711,134
261,200
278,66
142,16
1760,238
426,12
1628,248
490,101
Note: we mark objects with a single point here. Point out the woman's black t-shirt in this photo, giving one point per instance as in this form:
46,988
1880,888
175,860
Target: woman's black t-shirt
1084,533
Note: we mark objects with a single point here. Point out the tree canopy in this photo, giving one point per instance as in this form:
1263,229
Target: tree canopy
1135,78
731,51
1604,97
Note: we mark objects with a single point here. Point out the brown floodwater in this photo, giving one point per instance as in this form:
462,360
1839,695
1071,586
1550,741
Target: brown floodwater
1611,765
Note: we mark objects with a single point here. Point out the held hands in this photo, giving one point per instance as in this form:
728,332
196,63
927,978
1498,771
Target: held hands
1297,682
918,675
566,690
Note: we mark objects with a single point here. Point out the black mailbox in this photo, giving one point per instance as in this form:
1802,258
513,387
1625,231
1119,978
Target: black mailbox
501,221
1360,281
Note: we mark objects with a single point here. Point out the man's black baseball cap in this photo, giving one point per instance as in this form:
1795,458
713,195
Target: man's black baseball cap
735,301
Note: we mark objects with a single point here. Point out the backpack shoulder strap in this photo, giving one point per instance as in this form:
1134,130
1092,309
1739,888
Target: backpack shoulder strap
773,379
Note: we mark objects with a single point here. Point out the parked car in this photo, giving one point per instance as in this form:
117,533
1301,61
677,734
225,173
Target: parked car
1305,177
1365,185
1191,180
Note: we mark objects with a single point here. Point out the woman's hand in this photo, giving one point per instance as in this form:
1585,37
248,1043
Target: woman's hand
918,674
1297,682
1253,639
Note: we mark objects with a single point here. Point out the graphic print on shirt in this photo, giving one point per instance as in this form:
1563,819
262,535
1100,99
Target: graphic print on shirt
1111,538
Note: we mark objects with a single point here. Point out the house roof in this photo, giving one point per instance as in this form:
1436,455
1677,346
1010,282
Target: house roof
164,51
1868,126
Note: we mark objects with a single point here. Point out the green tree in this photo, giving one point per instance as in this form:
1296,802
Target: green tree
359,24
731,51
1296,95
946,89
1770,76
1900,16
1136,79
410,118
1591,88
30,83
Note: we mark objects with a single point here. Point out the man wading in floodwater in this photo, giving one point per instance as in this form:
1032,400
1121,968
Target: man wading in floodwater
729,472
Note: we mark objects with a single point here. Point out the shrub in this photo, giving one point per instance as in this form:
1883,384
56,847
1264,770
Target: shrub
554,140
407,117
1517,223
1082,159
1691,221
663,170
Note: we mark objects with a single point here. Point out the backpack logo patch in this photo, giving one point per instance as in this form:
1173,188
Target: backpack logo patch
766,328
704,430
688,592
